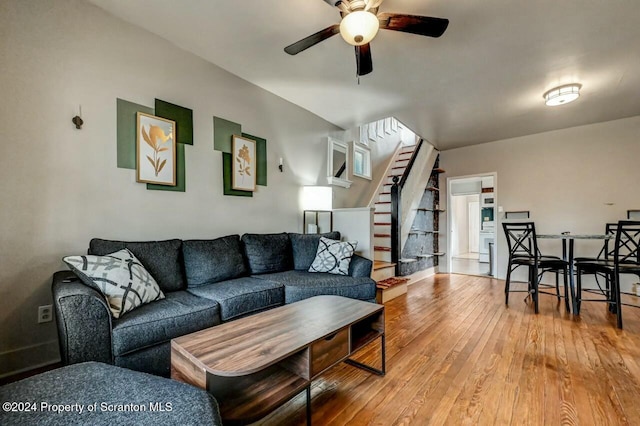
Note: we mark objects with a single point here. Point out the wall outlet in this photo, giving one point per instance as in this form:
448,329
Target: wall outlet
45,313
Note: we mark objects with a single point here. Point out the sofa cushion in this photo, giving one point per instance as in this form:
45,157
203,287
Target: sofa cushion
85,384
120,277
160,258
242,296
333,256
177,314
268,252
305,246
300,285
212,261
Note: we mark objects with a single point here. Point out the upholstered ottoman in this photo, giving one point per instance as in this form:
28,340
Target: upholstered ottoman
93,393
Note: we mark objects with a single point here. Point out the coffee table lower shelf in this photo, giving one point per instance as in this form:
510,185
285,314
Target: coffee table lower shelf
270,390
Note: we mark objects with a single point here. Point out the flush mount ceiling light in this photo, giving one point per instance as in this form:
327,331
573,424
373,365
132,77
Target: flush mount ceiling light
359,27
562,95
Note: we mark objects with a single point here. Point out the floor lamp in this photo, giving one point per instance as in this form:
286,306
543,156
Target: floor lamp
316,200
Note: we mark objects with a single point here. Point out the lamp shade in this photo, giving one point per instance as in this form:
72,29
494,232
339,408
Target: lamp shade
318,198
359,27
562,95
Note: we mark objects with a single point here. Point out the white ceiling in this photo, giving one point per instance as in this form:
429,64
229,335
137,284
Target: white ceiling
483,80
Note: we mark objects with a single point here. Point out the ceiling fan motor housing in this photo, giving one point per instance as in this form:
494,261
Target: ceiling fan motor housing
352,5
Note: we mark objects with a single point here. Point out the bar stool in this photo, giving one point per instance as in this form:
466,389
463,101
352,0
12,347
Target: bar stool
523,251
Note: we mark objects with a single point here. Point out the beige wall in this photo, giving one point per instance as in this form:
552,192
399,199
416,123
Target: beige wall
60,186
574,179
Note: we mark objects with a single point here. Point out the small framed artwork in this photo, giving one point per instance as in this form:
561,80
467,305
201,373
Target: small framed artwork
364,135
387,125
155,150
244,164
373,131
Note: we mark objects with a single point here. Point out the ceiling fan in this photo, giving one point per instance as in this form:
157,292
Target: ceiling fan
360,24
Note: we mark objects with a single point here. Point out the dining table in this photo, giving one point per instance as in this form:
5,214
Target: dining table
568,255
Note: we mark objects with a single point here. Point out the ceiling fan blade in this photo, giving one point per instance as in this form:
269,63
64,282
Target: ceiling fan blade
312,40
421,25
372,4
364,63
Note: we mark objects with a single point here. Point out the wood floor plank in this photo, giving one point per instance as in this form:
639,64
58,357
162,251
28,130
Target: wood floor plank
423,337
457,355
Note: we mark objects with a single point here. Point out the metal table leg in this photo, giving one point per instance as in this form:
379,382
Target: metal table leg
368,368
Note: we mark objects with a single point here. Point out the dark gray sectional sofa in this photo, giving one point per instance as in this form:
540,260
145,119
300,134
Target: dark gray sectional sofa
205,282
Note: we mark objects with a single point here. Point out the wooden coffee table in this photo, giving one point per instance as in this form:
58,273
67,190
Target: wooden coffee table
255,364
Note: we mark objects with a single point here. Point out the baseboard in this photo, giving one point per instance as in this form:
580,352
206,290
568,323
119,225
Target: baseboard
28,358
420,275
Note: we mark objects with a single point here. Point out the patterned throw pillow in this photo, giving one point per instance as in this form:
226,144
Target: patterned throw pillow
333,256
120,277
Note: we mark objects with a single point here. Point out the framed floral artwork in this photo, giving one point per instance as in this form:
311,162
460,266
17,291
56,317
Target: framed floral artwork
244,164
155,150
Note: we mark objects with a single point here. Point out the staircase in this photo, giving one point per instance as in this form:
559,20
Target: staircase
383,267
420,250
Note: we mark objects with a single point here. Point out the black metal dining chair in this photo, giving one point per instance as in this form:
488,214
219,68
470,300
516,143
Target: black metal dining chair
523,251
590,266
625,260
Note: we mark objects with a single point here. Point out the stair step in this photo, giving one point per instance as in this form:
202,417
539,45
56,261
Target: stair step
399,167
385,193
382,235
432,188
383,202
378,264
407,260
439,170
380,248
381,212
381,223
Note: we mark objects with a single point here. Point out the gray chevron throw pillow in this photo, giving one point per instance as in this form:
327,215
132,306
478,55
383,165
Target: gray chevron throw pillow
120,277
333,256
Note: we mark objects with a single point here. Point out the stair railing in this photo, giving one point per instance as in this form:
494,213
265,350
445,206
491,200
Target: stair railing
396,214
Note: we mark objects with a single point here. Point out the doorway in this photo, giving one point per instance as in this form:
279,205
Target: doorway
471,224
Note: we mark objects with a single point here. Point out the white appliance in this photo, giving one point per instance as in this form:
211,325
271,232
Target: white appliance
486,237
487,227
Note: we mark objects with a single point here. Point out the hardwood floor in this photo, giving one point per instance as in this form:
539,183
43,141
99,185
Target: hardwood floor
457,355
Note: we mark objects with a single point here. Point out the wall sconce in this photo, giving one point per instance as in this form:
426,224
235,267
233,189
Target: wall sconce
316,199
77,120
281,166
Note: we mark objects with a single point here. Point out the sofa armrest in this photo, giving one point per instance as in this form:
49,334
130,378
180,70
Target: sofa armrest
83,319
360,266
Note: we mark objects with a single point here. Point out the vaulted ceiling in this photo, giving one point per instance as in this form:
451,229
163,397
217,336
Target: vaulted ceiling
483,80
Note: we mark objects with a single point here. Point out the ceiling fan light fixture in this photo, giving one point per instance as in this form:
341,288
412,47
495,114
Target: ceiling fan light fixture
562,95
359,27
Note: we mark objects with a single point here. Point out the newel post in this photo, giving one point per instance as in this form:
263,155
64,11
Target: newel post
396,244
